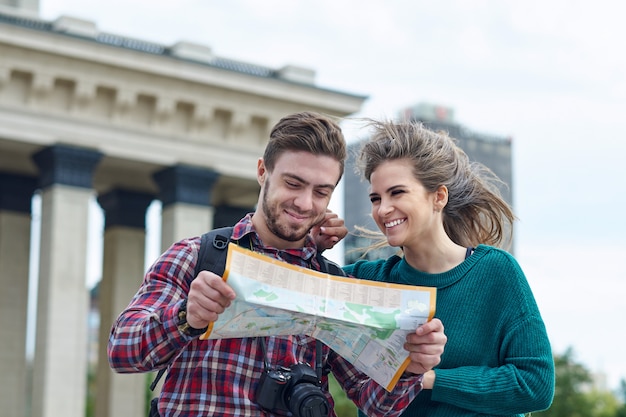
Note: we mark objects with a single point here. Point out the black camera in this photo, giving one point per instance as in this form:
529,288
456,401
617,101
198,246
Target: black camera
295,389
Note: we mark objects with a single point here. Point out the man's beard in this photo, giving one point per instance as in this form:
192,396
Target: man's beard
272,215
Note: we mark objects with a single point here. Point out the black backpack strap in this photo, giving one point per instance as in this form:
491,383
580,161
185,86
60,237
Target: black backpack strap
211,257
212,253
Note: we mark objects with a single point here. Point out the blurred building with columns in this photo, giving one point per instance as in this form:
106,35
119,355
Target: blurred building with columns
87,115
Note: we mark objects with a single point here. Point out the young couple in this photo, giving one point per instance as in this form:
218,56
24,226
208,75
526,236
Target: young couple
428,200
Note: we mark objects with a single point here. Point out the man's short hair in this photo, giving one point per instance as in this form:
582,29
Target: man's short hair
309,132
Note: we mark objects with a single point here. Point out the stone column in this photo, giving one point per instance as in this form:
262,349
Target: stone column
123,270
16,193
185,193
60,368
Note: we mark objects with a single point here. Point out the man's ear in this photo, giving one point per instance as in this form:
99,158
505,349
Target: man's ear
261,172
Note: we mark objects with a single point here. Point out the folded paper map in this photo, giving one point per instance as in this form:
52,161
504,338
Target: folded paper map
366,322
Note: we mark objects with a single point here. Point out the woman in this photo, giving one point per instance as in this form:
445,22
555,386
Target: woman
447,217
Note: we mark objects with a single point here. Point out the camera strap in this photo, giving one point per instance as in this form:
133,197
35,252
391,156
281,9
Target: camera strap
318,357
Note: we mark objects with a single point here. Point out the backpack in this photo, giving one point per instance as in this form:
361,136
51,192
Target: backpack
212,257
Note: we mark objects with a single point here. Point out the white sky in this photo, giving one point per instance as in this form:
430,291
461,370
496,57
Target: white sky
552,75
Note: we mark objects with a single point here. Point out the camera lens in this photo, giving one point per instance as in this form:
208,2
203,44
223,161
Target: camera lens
308,400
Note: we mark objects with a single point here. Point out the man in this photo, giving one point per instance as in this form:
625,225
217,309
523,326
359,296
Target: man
301,166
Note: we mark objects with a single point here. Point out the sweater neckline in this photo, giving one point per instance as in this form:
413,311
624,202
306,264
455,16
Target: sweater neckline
412,276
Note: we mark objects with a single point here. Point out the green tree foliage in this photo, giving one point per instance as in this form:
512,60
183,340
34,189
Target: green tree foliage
575,396
344,407
621,411
569,397
603,403
90,402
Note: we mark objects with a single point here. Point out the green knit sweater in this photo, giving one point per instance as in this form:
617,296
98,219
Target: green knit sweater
498,360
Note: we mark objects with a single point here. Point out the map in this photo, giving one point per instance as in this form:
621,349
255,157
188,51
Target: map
366,322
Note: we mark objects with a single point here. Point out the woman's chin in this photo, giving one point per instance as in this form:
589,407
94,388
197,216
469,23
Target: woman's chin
394,241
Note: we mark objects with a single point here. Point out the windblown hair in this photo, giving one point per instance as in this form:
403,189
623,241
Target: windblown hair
309,132
476,212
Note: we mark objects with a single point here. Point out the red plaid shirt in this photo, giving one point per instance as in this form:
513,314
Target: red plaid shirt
220,377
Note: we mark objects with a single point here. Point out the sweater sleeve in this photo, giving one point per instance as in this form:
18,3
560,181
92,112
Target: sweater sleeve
377,270
523,383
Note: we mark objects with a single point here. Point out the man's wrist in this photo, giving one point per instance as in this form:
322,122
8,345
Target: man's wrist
183,325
